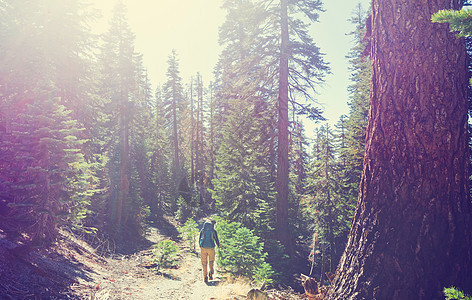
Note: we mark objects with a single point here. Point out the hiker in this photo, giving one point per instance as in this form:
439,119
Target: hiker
208,240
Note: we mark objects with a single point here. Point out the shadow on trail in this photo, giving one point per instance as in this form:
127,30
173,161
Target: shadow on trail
165,227
169,276
131,244
212,283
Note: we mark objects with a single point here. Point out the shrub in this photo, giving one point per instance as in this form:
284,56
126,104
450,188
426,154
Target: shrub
453,293
182,209
279,261
189,233
241,252
165,254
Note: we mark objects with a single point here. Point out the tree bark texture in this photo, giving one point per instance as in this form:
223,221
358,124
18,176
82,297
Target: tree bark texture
281,183
192,139
175,132
125,161
411,232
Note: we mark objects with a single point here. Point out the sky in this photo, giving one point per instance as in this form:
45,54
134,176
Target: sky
191,28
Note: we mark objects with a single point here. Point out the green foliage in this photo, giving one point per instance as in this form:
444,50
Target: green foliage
352,128
166,254
337,158
123,94
47,172
186,206
182,208
264,272
453,293
241,252
162,191
278,260
174,106
243,189
189,233
460,21
326,200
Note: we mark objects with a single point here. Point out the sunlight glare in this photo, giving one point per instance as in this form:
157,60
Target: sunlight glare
188,26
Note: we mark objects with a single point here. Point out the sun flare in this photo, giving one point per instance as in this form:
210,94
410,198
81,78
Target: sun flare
190,27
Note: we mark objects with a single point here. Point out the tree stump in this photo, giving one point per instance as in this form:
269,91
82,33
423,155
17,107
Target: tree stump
256,294
310,285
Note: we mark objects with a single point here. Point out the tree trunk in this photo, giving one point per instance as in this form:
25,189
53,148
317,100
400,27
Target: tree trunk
197,139
192,137
411,233
323,263
281,183
199,144
175,136
123,189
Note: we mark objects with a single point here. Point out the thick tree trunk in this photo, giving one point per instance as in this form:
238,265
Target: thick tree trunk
282,159
411,233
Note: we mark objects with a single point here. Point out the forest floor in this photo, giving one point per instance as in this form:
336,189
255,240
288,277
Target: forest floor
73,269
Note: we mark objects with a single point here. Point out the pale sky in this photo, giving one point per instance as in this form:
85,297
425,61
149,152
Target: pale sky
191,28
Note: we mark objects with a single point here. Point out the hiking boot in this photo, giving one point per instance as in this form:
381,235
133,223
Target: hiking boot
210,276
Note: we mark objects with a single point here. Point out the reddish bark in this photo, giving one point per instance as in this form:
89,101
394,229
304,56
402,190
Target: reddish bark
411,233
282,148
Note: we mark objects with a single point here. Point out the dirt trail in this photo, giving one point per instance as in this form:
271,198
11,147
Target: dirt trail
135,277
72,269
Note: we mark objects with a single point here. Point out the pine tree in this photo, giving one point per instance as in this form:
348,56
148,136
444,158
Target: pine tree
299,168
45,177
201,149
141,142
459,20
160,161
328,207
242,183
249,72
242,188
212,136
174,107
301,67
352,128
120,86
46,49
47,46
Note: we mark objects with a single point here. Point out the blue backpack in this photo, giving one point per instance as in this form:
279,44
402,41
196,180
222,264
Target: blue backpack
206,236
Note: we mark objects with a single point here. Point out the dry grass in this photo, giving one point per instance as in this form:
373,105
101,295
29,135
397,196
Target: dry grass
233,288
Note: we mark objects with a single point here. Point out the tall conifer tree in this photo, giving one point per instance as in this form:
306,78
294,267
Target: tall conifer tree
121,76
300,67
174,107
45,178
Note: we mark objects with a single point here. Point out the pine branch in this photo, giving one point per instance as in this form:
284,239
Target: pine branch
460,21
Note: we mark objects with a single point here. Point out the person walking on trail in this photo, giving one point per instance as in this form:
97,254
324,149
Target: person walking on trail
208,241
